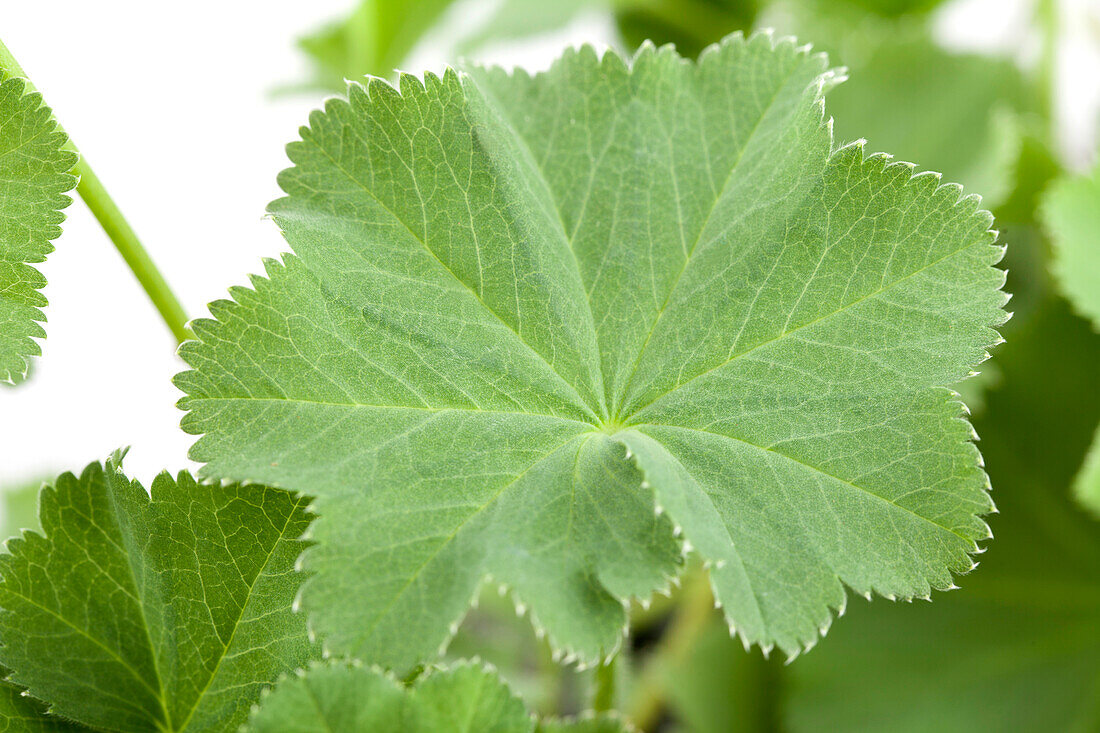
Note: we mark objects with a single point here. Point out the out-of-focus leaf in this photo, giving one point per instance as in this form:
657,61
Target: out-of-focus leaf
956,114
19,510
466,698
374,39
1087,483
521,18
1018,649
884,8
1071,214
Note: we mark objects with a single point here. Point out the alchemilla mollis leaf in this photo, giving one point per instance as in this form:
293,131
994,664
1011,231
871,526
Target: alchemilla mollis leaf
341,696
34,178
1071,215
167,613
555,329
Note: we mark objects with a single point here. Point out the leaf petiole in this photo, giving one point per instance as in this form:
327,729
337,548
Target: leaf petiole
117,228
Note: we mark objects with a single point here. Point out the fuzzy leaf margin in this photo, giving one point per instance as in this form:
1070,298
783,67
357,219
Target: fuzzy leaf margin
1070,212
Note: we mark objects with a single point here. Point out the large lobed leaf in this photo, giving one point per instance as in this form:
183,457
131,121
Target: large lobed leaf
139,613
1071,215
466,698
34,178
535,326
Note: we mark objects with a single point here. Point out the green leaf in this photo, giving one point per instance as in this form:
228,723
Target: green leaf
690,24
34,177
523,313
374,39
19,509
1018,648
883,8
904,95
602,723
347,697
168,613
1087,483
1071,215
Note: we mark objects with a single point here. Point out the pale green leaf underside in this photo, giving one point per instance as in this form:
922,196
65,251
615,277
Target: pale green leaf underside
466,698
1071,215
34,177
164,614
523,313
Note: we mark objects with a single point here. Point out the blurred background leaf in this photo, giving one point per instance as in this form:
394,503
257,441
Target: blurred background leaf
19,509
374,39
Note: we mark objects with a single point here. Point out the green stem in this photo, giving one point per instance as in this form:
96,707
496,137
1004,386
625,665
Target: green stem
119,231
604,698
695,610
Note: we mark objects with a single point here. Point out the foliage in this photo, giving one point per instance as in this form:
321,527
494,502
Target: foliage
1071,213
474,368
348,697
170,612
34,178
374,39
19,509
906,96
584,336
379,34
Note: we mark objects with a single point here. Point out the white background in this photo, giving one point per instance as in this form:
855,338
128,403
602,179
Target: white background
171,104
